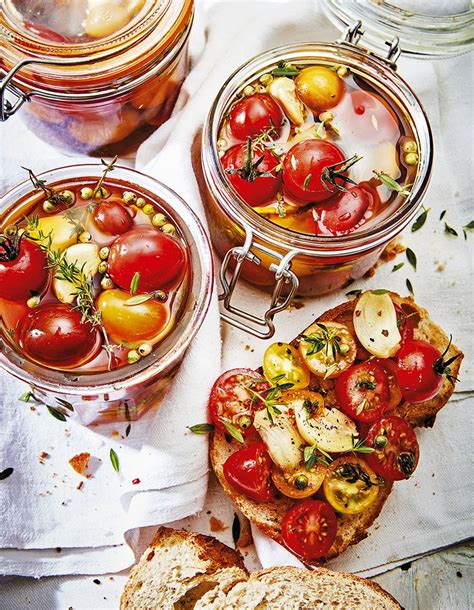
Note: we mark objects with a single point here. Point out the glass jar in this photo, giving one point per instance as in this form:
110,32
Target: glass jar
126,392
273,257
98,95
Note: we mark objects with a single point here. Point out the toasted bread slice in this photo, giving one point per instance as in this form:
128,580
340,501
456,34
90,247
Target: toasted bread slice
178,568
351,528
295,588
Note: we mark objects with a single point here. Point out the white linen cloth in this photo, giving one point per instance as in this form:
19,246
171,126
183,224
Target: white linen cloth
89,525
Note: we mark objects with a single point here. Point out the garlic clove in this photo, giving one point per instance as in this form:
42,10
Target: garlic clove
375,324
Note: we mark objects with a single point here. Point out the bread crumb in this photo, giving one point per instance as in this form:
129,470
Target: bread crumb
80,485
80,462
216,525
44,455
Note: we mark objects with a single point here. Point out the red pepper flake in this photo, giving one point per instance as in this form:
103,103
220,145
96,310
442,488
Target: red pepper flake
136,481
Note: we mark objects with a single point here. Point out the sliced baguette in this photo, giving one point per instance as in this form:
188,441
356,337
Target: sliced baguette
295,588
351,528
178,569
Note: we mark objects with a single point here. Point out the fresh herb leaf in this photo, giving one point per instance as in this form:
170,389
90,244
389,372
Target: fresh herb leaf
114,460
360,408
360,446
420,221
379,291
469,226
281,206
365,384
397,267
26,397
138,299
449,230
56,414
134,283
285,71
236,529
232,430
307,180
411,256
354,293
391,184
6,473
410,287
313,454
128,429
65,404
201,428
441,216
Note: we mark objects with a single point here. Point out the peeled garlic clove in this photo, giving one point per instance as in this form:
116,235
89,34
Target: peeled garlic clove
85,257
375,324
281,438
283,89
329,429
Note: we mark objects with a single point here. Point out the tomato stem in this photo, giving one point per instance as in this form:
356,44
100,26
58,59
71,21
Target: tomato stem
441,366
334,172
11,247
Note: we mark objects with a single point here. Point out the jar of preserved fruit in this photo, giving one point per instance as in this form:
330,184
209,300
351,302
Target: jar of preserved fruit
93,77
315,156
105,279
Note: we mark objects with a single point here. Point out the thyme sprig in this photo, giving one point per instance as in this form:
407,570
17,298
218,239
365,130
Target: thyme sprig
41,185
354,472
326,340
359,446
271,397
392,184
314,454
332,173
109,167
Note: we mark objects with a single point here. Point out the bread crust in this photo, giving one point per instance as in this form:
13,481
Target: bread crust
351,528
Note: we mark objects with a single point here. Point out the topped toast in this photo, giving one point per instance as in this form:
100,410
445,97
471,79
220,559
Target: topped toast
310,446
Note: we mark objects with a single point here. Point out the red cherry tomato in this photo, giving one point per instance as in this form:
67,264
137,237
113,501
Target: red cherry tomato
55,335
362,391
231,401
112,217
390,368
309,529
254,188
158,258
420,371
404,323
303,169
396,448
248,471
348,212
253,114
23,271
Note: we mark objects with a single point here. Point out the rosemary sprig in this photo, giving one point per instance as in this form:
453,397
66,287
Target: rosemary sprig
109,167
40,185
334,172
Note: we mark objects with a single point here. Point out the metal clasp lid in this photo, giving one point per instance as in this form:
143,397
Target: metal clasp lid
354,33
9,105
263,327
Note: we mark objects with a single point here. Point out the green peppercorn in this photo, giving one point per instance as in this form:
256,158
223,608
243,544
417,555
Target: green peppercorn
104,253
106,283
145,349
84,237
409,146
48,206
301,481
86,193
133,356
266,79
158,220
129,198
102,268
67,197
245,422
380,441
140,202
411,159
33,302
148,209
168,228
101,192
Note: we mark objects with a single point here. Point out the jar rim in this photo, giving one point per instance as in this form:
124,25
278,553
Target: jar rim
108,65
369,67
198,297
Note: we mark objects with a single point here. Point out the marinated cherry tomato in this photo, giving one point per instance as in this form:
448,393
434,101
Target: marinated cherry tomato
158,258
319,88
405,324
396,448
421,370
231,401
350,485
23,268
131,323
390,368
112,217
255,181
348,211
299,484
309,529
253,114
283,359
362,391
55,335
248,471
327,348
304,169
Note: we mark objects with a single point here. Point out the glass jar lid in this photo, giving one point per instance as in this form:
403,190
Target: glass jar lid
426,28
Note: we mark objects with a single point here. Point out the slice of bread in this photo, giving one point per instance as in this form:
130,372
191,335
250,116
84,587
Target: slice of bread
185,571
296,588
351,528
178,569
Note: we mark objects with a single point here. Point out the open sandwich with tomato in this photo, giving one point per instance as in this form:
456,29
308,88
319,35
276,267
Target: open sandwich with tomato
309,446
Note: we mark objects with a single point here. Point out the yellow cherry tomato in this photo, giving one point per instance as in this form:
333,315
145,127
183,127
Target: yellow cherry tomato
319,88
350,486
327,348
283,359
301,483
131,323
